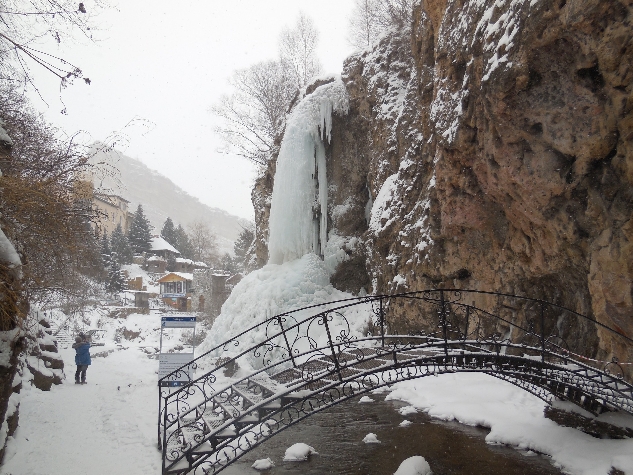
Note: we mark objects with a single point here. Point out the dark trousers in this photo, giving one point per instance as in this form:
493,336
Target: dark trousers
81,370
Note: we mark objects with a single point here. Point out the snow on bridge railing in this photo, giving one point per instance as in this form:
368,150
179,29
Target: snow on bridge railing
502,321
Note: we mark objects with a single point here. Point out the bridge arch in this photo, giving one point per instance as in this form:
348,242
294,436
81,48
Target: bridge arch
306,365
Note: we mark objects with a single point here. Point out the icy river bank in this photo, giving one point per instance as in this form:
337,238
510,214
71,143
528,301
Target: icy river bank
461,424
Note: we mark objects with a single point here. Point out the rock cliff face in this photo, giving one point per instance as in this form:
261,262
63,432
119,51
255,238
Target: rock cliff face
491,147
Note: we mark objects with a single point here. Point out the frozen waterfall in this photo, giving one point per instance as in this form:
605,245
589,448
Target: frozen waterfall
298,214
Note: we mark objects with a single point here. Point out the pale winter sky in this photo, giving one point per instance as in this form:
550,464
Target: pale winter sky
160,65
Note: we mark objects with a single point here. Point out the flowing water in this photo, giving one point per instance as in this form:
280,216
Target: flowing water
337,433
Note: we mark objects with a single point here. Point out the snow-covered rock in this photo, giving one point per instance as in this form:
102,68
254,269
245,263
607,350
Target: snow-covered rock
299,452
405,423
263,464
415,465
371,439
365,399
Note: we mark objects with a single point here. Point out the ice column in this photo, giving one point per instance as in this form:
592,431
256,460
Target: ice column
298,213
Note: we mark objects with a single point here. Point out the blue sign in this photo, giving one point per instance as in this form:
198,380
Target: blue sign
178,322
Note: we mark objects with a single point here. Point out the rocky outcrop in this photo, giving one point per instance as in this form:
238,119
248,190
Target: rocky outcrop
491,147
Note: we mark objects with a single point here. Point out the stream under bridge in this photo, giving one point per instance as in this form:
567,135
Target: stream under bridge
295,364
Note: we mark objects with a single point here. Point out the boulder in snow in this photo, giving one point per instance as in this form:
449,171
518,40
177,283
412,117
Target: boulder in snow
407,410
371,439
299,452
263,464
415,465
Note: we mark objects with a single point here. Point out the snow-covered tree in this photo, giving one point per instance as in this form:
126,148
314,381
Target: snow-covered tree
120,244
371,17
254,115
227,264
298,51
140,235
182,242
203,243
169,231
43,208
115,281
241,246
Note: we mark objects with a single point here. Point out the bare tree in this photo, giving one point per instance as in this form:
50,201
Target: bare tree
44,210
298,50
27,27
204,243
254,115
370,18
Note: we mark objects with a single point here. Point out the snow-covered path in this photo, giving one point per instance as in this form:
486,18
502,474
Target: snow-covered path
95,428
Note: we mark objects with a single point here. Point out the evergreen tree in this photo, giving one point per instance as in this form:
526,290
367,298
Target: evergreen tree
120,244
227,264
171,263
182,243
115,281
105,249
241,246
140,236
169,231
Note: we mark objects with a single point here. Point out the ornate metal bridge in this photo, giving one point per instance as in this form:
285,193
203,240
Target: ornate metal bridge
298,363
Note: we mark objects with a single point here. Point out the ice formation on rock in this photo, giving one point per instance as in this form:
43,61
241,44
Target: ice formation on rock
298,214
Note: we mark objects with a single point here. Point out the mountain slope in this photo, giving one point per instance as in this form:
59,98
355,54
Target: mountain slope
161,198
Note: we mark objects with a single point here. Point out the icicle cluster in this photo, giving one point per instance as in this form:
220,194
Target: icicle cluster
298,214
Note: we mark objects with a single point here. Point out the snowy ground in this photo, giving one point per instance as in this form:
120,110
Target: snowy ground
109,425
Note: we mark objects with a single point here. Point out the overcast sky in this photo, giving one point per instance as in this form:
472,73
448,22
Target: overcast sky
160,65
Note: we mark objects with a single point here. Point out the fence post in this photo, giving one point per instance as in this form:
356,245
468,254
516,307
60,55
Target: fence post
160,446
443,321
382,324
467,322
164,444
287,344
543,332
329,339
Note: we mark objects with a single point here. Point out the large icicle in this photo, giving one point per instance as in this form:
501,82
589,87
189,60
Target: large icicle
298,214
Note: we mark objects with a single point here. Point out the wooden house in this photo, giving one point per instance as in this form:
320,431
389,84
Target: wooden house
175,290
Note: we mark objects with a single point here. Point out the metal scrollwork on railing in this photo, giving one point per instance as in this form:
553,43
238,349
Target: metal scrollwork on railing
613,368
308,364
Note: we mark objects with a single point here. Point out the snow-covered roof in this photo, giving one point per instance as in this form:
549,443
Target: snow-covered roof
184,261
159,244
200,264
183,275
156,258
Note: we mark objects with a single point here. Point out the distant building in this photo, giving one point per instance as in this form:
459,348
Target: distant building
162,248
175,290
112,210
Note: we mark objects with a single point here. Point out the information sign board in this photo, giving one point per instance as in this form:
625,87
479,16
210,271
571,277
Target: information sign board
168,362
178,322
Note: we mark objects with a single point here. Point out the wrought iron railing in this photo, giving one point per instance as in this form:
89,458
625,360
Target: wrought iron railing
329,341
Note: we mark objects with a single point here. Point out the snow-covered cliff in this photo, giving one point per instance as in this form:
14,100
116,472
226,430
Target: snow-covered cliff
488,147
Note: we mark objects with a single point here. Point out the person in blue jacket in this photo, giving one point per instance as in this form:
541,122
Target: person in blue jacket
82,357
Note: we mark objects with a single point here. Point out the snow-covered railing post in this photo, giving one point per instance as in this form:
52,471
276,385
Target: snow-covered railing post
283,330
160,445
443,321
382,323
543,331
329,338
466,323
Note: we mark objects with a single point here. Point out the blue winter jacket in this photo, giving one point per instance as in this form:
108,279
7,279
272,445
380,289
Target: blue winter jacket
82,355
